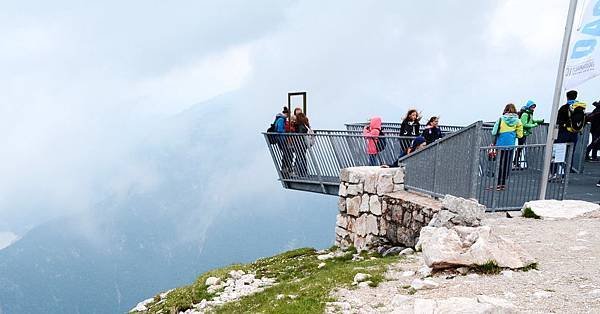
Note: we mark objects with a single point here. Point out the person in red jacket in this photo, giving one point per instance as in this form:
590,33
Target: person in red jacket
371,132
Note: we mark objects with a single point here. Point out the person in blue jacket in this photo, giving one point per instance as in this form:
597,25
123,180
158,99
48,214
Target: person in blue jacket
506,131
282,142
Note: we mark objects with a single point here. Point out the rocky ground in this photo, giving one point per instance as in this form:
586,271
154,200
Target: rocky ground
567,279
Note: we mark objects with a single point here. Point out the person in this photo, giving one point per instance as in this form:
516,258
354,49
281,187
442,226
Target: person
417,144
282,142
432,132
570,120
591,152
301,126
410,125
506,130
371,132
526,115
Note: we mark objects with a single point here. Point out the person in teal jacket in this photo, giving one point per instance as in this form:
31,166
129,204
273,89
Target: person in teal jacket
506,131
529,123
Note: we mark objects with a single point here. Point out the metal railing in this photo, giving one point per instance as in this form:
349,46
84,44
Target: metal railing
447,166
317,159
395,127
509,176
462,164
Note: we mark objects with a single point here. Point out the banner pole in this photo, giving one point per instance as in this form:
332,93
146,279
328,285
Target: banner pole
552,128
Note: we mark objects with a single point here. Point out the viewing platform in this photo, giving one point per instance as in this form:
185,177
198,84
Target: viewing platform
460,164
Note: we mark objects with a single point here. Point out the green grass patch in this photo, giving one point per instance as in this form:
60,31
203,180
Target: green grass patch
532,266
489,268
528,213
296,274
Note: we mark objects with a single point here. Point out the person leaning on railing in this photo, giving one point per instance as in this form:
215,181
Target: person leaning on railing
371,132
417,144
410,125
506,130
432,132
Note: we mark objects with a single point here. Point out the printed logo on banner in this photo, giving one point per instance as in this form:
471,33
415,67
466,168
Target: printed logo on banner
583,61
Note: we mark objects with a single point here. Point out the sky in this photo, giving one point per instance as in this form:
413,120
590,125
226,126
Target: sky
82,84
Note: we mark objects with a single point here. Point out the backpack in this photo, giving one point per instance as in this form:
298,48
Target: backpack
380,142
272,129
576,119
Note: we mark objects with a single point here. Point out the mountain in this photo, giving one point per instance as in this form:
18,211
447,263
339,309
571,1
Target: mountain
207,198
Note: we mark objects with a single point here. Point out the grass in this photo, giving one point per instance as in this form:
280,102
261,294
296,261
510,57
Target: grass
296,273
489,268
528,213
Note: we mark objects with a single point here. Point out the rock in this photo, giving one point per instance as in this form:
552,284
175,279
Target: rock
355,189
364,203
212,281
542,294
498,304
360,277
341,221
399,177
375,205
325,256
343,306
399,300
366,224
343,191
365,284
507,273
424,306
236,274
421,284
463,270
408,273
480,304
467,246
370,185
141,307
407,251
385,183
353,205
280,296
321,265
595,293
342,204
567,209
442,219
469,211
425,271
393,250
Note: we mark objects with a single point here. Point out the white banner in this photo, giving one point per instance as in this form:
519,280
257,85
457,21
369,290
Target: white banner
583,62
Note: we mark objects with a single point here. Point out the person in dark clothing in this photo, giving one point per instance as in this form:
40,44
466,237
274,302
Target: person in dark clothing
563,121
432,132
417,144
410,125
301,144
594,119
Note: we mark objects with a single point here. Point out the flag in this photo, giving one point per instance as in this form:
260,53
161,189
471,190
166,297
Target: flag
583,62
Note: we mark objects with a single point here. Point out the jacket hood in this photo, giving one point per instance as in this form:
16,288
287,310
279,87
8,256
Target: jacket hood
375,123
280,115
528,105
511,119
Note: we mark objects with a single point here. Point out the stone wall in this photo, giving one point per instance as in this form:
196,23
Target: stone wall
375,211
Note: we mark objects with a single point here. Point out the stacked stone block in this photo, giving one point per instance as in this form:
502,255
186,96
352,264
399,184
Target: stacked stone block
374,209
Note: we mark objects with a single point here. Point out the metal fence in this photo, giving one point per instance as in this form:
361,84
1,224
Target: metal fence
302,159
510,176
447,166
502,178
462,164
395,127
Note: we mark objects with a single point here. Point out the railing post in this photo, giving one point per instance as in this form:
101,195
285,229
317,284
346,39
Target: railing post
476,155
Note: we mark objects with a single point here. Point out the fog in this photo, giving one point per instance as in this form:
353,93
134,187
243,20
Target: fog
84,86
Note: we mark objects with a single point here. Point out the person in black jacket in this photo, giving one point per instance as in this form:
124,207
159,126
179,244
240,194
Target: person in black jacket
410,125
594,119
563,120
432,132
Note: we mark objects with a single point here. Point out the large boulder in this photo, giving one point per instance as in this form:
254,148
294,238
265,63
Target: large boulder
457,211
561,209
468,246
